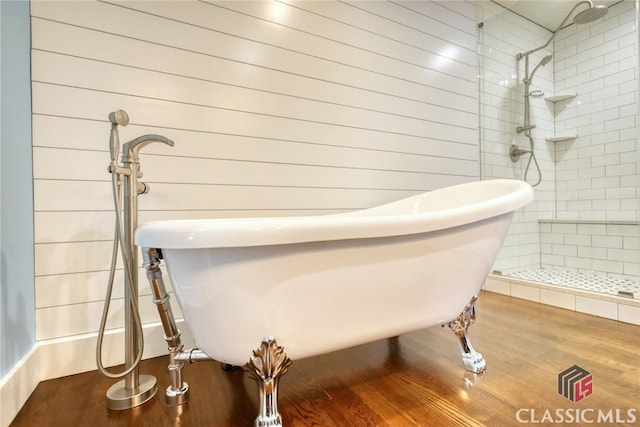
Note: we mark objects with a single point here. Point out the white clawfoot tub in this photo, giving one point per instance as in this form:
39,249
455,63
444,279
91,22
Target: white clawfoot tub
324,283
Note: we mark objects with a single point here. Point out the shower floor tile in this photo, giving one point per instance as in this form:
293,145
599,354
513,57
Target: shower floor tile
588,282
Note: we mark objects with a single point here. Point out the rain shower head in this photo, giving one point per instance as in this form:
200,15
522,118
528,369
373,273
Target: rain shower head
591,14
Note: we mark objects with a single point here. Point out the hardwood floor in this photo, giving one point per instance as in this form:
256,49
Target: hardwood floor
415,380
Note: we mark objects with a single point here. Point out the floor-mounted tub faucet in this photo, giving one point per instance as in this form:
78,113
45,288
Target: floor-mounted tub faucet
134,389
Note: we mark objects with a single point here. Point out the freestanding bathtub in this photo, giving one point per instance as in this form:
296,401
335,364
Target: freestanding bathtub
323,283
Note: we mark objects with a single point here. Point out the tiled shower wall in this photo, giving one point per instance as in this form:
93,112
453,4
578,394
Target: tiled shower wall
608,248
593,176
502,35
597,173
276,108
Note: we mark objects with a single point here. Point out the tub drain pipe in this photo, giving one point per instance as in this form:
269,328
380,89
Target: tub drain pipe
177,392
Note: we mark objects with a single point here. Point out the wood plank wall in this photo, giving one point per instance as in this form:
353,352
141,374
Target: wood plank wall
276,108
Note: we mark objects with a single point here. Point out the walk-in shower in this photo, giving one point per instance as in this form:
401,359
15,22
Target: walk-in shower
582,234
591,14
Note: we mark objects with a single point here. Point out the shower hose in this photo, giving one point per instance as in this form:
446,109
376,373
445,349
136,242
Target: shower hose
532,155
118,242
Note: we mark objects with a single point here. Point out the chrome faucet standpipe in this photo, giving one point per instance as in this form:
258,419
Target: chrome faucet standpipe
134,389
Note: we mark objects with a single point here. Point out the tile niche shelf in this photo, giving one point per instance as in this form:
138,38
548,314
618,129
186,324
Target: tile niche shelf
561,138
561,97
555,99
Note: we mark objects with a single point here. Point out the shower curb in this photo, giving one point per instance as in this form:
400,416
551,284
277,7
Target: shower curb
612,307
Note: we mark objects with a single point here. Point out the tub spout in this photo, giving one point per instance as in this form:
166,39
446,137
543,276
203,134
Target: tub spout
131,149
471,359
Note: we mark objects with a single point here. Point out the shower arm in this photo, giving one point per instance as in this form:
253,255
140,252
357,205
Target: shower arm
553,34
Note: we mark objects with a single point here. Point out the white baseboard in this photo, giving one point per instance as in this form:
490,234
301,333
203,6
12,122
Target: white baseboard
18,384
61,357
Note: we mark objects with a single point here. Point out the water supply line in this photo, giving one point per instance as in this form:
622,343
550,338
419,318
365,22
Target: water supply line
177,393
134,389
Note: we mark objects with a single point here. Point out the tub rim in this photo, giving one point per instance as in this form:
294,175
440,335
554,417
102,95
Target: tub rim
488,198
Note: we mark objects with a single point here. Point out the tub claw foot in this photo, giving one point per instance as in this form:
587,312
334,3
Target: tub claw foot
268,364
471,359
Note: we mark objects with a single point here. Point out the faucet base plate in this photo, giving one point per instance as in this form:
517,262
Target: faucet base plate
119,398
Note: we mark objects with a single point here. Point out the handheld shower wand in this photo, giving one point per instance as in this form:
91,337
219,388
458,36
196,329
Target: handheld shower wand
135,389
116,118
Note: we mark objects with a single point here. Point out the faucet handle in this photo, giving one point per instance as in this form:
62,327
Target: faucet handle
143,188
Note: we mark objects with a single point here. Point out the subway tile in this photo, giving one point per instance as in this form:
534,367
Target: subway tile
498,286
627,63
582,264
578,239
553,260
598,229
606,160
555,238
531,293
608,265
632,269
622,123
629,314
564,228
606,241
619,54
558,299
621,193
565,250
631,242
591,194
624,255
622,230
591,252
597,307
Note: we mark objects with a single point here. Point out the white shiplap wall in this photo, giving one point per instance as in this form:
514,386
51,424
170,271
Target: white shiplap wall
276,108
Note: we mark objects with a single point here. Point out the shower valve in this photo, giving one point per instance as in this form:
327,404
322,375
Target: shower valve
515,152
